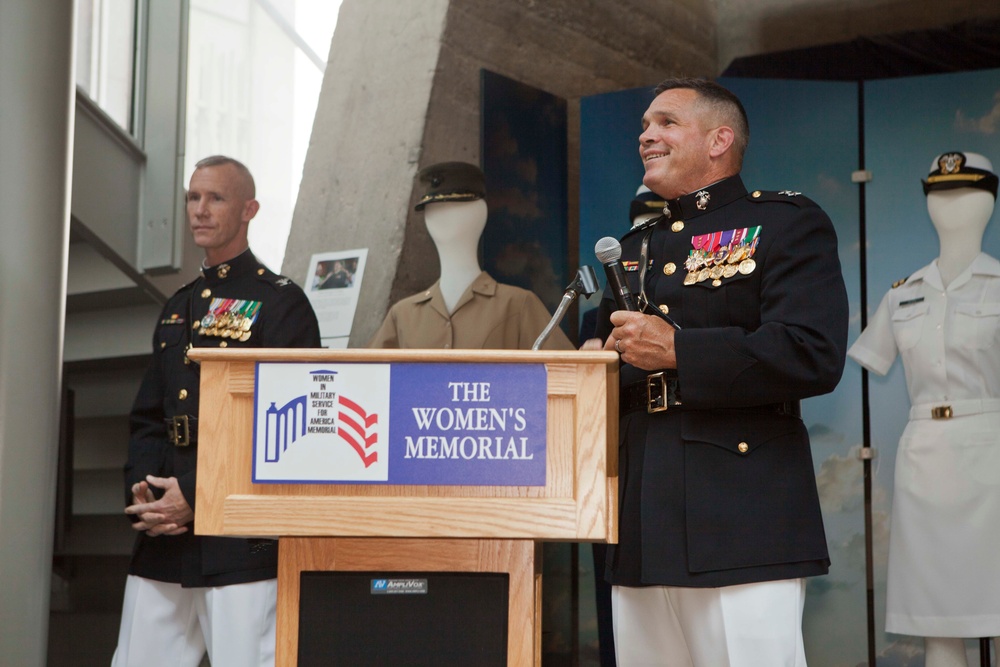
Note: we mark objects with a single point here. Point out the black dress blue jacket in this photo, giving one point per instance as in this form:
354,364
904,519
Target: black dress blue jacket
171,387
721,490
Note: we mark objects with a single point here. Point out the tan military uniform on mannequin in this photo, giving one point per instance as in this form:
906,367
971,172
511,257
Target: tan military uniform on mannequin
466,308
944,321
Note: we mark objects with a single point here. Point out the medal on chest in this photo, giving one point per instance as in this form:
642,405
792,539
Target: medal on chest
720,255
230,318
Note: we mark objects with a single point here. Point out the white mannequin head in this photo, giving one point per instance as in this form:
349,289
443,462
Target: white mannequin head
455,228
961,193
452,198
455,222
960,211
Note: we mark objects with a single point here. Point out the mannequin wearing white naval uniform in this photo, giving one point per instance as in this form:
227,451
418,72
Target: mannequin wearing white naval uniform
944,321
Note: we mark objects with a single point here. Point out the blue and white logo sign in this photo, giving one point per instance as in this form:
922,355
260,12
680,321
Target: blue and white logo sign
321,423
455,424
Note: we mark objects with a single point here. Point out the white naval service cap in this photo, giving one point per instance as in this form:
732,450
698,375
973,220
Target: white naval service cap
956,169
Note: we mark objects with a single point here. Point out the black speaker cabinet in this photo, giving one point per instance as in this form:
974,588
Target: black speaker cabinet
403,619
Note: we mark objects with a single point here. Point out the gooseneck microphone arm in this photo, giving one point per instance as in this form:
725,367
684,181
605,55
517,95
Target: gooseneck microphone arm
585,283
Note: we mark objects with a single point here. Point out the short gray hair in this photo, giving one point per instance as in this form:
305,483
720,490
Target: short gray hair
221,160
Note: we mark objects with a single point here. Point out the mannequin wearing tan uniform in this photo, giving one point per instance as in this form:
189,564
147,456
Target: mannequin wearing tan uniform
945,507
466,308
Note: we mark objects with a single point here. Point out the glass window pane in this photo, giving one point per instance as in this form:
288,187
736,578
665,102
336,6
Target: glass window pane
105,55
252,94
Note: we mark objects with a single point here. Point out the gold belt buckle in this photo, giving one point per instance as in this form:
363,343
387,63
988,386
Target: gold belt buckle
941,412
179,431
656,404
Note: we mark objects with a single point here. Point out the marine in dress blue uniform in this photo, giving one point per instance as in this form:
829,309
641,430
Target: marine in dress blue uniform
238,304
717,484
720,489
187,594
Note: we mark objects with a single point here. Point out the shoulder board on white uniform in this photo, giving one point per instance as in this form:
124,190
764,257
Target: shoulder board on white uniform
900,282
785,196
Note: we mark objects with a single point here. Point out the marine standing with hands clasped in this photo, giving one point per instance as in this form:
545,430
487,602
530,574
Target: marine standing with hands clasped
719,512
186,594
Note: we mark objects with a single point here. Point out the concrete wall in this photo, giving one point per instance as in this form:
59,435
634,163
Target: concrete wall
750,27
566,48
366,143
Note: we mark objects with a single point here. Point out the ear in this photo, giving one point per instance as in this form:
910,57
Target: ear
250,208
721,140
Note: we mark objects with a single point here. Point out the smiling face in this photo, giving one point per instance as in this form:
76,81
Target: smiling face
219,209
683,146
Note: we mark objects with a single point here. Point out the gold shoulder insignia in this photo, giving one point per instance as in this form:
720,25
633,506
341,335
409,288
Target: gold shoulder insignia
900,282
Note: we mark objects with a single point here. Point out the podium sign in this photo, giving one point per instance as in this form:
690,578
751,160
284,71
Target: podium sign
431,505
402,423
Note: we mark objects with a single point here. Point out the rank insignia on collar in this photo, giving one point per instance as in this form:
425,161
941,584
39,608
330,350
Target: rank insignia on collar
789,193
283,281
701,200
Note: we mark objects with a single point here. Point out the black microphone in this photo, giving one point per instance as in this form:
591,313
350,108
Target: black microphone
609,251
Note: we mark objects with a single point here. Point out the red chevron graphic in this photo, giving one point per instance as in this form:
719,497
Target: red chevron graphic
369,419
359,423
369,440
349,439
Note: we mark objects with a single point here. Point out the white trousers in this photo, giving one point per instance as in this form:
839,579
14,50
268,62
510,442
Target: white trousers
750,625
170,626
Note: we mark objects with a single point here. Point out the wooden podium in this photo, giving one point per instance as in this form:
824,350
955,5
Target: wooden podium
363,527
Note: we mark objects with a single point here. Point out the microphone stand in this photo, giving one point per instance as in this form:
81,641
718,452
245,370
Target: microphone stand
585,283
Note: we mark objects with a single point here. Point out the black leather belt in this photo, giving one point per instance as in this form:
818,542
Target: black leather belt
182,430
658,393
654,394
